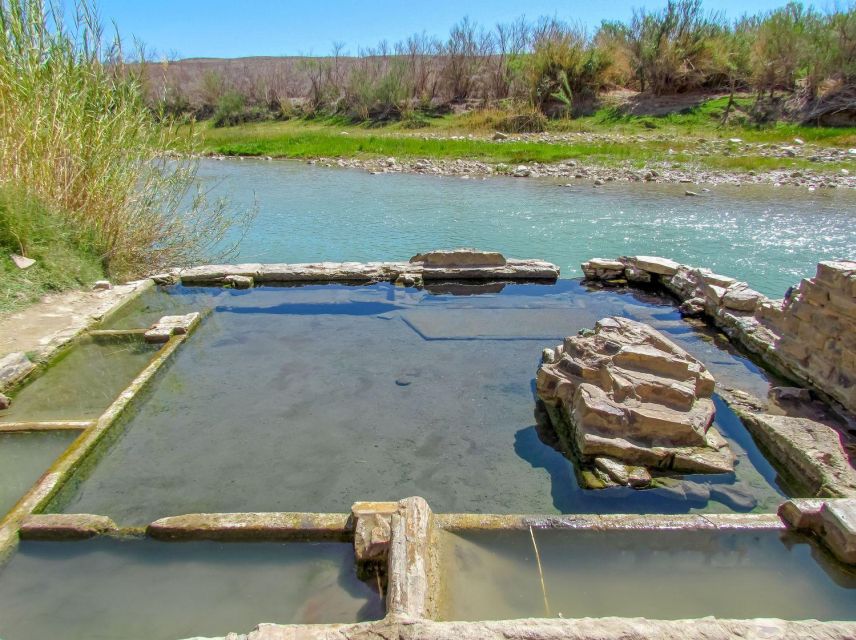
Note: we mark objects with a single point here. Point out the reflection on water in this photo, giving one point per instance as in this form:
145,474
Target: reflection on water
659,574
309,398
771,237
106,589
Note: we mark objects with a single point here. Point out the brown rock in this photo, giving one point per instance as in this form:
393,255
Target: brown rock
627,394
460,258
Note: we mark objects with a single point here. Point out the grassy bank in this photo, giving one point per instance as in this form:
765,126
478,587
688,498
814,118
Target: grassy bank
637,140
64,259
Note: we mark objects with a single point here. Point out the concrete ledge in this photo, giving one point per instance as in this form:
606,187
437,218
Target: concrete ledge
563,629
56,425
66,526
609,522
253,526
438,265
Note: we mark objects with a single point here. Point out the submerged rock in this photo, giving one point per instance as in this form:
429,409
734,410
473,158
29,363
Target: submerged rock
624,396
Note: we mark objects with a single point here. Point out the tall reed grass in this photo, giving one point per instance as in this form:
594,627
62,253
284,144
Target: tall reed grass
75,132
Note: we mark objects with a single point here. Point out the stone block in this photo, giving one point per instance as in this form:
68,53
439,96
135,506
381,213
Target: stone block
655,264
65,526
14,367
741,298
838,523
836,273
239,282
460,258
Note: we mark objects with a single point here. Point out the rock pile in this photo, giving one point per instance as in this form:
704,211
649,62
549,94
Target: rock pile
628,402
810,336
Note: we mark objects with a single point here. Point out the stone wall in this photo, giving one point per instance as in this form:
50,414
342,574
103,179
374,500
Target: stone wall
808,336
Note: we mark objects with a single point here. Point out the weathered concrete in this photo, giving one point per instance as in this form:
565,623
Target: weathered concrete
48,326
66,526
459,264
252,526
55,425
413,563
62,470
607,522
625,397
562,629
832,521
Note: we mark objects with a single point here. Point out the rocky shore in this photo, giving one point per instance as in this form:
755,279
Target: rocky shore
678,171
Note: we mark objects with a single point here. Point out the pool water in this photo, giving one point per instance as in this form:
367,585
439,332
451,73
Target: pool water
653,574
310,398
23,459
104,589
83,382
770,237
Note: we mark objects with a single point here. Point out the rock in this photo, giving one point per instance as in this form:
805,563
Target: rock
636,276
169,326
741,298
5,402
603,269
102,285
626,392
14,368
522,171
499,135
21,262
791,394
833,521
690,193
239,282
692,308
599,183
460,258
808,452
655,264
623,474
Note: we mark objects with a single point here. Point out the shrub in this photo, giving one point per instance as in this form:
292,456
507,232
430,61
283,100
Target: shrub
78,135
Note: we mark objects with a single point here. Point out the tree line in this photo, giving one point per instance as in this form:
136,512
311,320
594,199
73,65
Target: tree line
546,67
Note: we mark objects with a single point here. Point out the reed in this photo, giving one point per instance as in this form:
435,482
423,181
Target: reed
76,133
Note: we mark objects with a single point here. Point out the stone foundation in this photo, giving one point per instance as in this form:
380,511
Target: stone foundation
809,336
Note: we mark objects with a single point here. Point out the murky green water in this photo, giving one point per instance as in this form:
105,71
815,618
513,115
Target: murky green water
23,459
662,574
107,589
83,382
769,236
310,398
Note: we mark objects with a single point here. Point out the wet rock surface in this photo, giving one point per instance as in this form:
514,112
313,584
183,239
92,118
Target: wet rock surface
169,326
627,399
13,368
833,522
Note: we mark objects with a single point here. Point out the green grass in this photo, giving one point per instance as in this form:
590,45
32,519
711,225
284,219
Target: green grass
63,260
684,132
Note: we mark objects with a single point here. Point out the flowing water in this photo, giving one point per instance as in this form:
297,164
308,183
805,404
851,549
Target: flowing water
23,459
105,589
310,398
770,237
654,574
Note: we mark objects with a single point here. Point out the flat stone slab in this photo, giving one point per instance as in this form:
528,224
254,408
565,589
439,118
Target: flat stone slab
832,521
252,526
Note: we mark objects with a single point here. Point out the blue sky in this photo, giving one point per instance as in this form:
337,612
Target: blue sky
233,28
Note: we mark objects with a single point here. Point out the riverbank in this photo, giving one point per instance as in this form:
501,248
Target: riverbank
458,146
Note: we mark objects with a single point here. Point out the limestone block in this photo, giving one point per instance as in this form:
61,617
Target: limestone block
628,394
239,282
460,258
708,277
372,529
655,264
603,269
637,276
14,367
169,326
741,298
836,273
838,523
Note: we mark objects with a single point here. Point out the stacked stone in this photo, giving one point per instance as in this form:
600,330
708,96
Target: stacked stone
818,337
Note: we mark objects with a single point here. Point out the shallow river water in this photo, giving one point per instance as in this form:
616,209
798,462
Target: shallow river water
770,237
